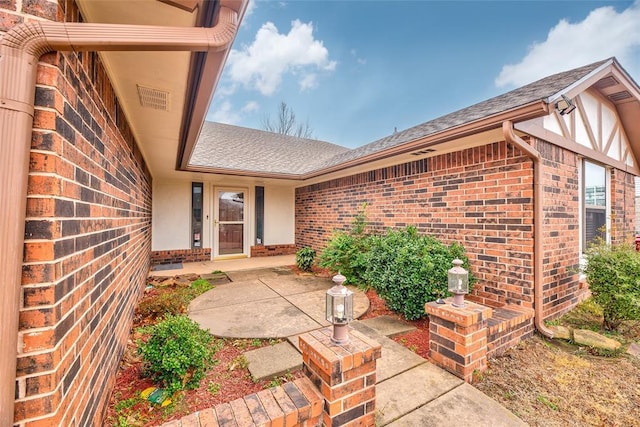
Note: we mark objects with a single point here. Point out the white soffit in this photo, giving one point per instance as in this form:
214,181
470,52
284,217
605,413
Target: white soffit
162,74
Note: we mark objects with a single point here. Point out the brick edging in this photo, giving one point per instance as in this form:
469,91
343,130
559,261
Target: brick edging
296,403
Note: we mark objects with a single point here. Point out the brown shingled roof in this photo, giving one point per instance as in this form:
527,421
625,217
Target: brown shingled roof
243,149
232,147
536,91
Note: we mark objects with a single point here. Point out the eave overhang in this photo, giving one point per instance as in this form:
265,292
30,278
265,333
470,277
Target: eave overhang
489,123
628,108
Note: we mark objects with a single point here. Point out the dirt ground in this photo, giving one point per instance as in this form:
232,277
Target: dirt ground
555,383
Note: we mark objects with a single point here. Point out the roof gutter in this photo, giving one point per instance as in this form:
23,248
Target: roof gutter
534,155
20,50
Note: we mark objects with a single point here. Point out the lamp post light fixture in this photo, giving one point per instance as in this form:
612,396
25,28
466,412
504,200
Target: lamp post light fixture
339,309
458,283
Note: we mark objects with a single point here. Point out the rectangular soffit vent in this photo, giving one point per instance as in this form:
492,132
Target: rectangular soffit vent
606,82
619,96
425,151
153,98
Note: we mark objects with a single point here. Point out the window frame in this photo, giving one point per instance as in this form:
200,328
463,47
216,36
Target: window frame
583,205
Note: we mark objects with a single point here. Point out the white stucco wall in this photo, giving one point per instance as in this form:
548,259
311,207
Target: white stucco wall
171,215
279,215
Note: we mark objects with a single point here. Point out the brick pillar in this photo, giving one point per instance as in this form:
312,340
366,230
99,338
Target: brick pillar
458,337
344,374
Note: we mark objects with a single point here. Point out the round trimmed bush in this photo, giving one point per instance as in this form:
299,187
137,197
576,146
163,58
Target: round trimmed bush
178,353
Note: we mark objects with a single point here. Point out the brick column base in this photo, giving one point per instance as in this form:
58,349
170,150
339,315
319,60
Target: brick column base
458,337
344,374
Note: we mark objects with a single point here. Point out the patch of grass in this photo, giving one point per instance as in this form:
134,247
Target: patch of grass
217,272
586,315
126,404
241,344
478,376
602,352
213,388
199,287
256,342
278,381
239,362
546,402
126,416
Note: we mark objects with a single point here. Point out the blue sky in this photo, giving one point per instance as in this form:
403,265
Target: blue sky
358,69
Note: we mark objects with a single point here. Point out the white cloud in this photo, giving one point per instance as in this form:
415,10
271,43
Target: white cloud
263,64
308,82
359,60
224,114
602,34
250,107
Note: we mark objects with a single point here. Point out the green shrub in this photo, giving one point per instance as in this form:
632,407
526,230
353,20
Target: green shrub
305,258
177,354
613,274
346,251
408,269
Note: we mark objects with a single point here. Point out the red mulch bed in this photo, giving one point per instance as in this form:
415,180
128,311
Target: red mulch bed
416,341
228,379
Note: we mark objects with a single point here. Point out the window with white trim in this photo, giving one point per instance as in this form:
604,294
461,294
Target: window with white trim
595,203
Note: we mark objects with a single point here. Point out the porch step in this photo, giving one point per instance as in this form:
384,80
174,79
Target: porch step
507,327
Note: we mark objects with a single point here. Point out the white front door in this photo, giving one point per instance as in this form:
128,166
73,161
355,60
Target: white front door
229,222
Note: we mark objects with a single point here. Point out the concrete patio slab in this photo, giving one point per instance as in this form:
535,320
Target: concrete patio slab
234,265
287,285
272,361
258,273
412,389
231,294
312,303
464,406
267,318
388,326
395,357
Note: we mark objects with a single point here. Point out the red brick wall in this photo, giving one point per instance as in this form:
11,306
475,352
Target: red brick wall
561,229
623,206
174,256
87,236
272,250
561,235
481,197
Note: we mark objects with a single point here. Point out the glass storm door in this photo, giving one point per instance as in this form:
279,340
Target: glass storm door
229,224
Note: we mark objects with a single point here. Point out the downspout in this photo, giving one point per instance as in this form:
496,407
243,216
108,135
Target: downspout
20,50
538,213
